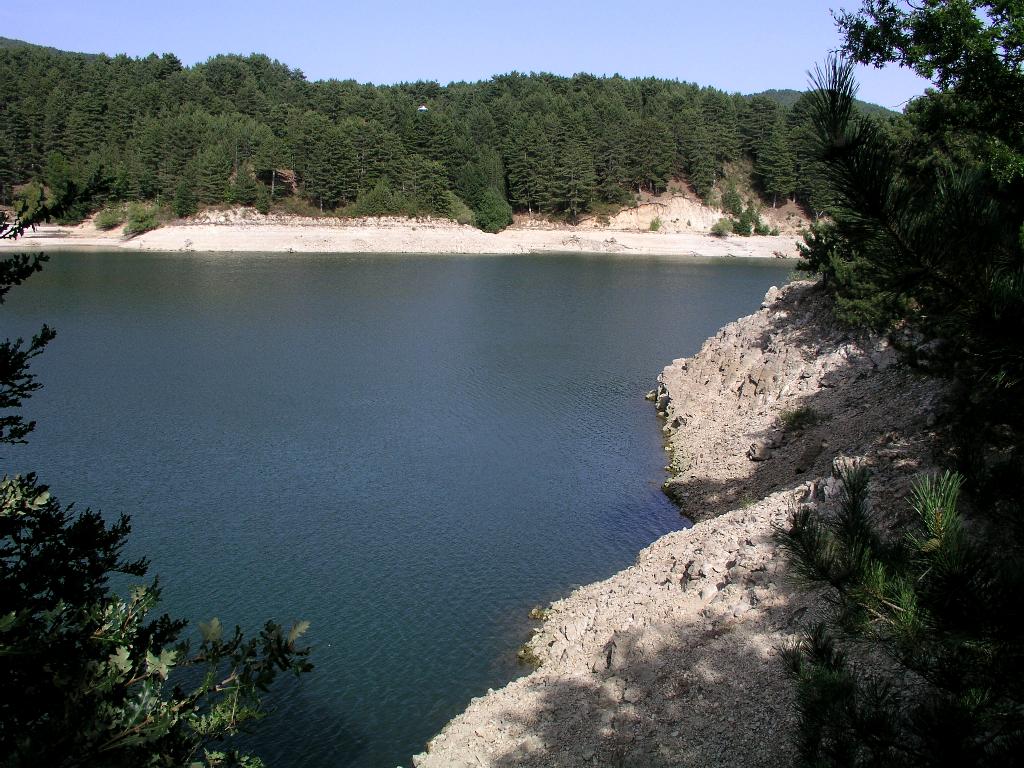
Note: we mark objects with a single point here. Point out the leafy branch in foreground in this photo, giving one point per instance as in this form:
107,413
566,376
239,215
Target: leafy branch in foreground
89,679
919,662
87,674
16,383
926,214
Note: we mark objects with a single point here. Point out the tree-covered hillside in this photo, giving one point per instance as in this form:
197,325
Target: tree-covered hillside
250,130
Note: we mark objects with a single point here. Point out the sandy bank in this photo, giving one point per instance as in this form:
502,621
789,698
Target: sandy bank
251,232
675,661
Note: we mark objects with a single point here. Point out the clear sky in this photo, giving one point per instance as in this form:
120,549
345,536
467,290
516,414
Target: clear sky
735,45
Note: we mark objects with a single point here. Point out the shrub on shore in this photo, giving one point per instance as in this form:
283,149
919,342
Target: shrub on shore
141,218
493,214
722,228
461,212
109,217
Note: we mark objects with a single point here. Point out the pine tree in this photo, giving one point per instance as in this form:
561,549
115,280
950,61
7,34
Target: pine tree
492,211
527,159
775,168
8,168
698,154
83,132
760,117
933,603
720,120
212,173
54,120
927,235
573,182
611,150
651,150
185,202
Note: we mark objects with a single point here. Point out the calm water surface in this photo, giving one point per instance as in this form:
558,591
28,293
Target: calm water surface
407,451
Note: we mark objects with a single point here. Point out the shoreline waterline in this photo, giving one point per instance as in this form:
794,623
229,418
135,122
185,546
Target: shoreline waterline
401,237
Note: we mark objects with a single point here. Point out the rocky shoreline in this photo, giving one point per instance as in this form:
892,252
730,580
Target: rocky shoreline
675,660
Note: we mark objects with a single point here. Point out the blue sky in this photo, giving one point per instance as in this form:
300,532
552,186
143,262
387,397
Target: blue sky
735,45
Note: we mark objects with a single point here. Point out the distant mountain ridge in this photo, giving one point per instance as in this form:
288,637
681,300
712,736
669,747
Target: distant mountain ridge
7,43
787,97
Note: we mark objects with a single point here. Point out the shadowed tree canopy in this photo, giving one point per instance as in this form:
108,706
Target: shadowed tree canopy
926,238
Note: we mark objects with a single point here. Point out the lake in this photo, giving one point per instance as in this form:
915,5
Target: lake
407,451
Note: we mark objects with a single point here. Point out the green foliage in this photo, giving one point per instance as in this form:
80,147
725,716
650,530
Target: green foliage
925,233
722,228
573,184
655,224
860,299
776,165
110,217
185,202
30,202
747,221
241,130
17,383
461,212
90,677
378,201
493,214
935,603
743,226
263,200
800,418
243,188
933,239
787,97
731,200
93,680
141,218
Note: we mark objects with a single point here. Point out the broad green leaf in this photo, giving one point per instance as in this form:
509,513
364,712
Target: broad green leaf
121,660
160,665
7,621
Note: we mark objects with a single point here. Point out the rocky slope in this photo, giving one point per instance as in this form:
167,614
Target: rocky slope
675,661
685,212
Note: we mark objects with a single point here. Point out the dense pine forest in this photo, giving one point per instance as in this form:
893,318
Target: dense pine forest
250,130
